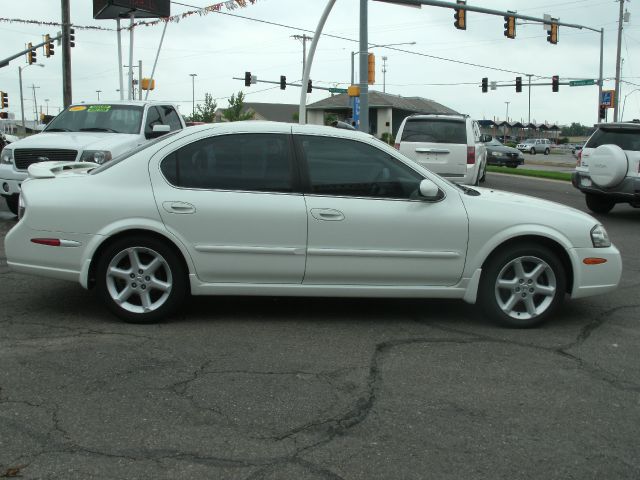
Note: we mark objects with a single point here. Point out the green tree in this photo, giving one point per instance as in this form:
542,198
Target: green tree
576,130
234,113
204,113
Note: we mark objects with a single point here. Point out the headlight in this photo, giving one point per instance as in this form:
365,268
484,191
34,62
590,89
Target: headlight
97,156
599,237
6,156
496,154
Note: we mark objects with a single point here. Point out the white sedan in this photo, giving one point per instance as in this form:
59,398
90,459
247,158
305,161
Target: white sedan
255,208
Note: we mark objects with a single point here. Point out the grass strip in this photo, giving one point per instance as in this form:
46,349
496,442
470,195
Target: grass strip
530,173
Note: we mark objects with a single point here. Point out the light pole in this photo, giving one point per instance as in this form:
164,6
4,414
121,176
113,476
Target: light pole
98,92
384,74
625,102
507,115
24,128
193,94
504,133
46,100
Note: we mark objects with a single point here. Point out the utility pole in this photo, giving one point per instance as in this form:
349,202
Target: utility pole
66,54
384,74
35,103
98,92
363,51
304,39
529,75
617,86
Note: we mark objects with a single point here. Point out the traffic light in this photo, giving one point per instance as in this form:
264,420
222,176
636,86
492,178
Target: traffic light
309,86
602,113
4,100
283,82
552,35
460,16
372,69
247,79
510,27
4,115
48,47
485,85
518,84
72,37
31,54
555,83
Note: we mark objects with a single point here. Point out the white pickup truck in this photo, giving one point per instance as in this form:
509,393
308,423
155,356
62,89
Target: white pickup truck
86,132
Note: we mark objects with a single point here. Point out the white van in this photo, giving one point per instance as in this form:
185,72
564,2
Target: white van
91,132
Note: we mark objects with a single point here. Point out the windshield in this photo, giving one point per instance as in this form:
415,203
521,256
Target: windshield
98,118
495,142
529,140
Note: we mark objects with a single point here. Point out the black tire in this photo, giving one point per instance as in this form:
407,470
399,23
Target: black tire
532,151
547,151
599,203
12,203
483,178
512,165
170,274
544,294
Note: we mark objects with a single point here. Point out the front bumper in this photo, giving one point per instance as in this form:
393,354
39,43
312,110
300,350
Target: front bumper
627,191
595,279
10,179
500,161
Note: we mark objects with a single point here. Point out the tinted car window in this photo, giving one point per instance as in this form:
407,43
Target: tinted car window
153,118
435,131
626,139
171,117
255,162
348,168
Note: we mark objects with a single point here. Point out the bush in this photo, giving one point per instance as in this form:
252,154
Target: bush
388,138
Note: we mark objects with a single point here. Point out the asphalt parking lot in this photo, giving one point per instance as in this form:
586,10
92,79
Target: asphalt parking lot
278,388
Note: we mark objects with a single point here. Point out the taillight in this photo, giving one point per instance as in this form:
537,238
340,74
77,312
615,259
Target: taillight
396,146
579,158
471,155
51,242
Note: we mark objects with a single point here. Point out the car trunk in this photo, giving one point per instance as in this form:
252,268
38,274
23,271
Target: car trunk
437,144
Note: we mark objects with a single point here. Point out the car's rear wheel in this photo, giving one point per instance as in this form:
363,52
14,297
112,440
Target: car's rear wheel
522,286
512,165
599,203
12,203
141,279
532,151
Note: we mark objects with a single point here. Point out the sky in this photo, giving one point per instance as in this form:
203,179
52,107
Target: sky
220,46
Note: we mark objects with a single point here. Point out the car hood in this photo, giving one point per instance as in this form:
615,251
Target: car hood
116,143
502,149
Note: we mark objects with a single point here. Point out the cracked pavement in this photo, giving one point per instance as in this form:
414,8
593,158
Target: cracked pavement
274,388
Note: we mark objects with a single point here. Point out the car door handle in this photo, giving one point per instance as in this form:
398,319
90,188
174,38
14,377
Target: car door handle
179,207
423,150
327,214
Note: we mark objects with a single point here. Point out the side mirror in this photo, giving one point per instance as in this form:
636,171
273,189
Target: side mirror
429,190
485,138
158,131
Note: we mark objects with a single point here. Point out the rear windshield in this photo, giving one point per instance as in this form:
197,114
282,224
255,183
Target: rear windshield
435,131
626,139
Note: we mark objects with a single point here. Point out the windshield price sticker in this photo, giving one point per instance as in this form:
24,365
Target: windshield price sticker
79,108
99,108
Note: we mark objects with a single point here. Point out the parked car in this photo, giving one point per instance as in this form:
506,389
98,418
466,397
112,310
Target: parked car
266,208
449,145
535,145
94,132
501,155
608,170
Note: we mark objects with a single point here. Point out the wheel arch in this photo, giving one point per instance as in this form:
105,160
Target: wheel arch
88,277
552,244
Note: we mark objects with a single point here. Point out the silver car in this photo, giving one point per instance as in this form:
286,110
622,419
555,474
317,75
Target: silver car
535,145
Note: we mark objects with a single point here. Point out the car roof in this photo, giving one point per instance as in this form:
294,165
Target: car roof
424,116
635,124
139,103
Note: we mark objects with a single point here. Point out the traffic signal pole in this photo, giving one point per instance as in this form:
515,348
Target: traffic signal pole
364,67
66,54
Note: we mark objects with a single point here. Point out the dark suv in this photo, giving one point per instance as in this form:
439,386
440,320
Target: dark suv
608,170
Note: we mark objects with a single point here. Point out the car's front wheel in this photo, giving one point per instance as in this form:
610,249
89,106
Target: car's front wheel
12,203
522,286
141,279
547,151
599,203
532,151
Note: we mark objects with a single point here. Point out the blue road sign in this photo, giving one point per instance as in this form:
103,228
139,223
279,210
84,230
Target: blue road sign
607,98
356,111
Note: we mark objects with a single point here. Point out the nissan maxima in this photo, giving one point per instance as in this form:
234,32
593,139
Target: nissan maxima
260,208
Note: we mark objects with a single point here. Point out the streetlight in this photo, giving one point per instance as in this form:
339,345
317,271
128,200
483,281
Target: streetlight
504,132
625,102
24,128
193,94
98,92
47,102
384,74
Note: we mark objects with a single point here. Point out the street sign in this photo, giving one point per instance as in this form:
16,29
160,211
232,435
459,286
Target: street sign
356,111
494,85
607,98
338,90
582,83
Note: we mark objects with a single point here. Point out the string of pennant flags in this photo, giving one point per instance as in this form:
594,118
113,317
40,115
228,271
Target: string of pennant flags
216,7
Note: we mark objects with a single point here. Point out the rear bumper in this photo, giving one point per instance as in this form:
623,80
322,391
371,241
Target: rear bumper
591,280
627,191
501,161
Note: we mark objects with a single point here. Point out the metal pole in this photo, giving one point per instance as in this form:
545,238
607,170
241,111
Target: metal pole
384,74
98,92
35,104
507,116
529,97
24,127
132,17
617,87
139,79
364,67
120,79
66,54
352,100
153,70
193,94
600,78
302,112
